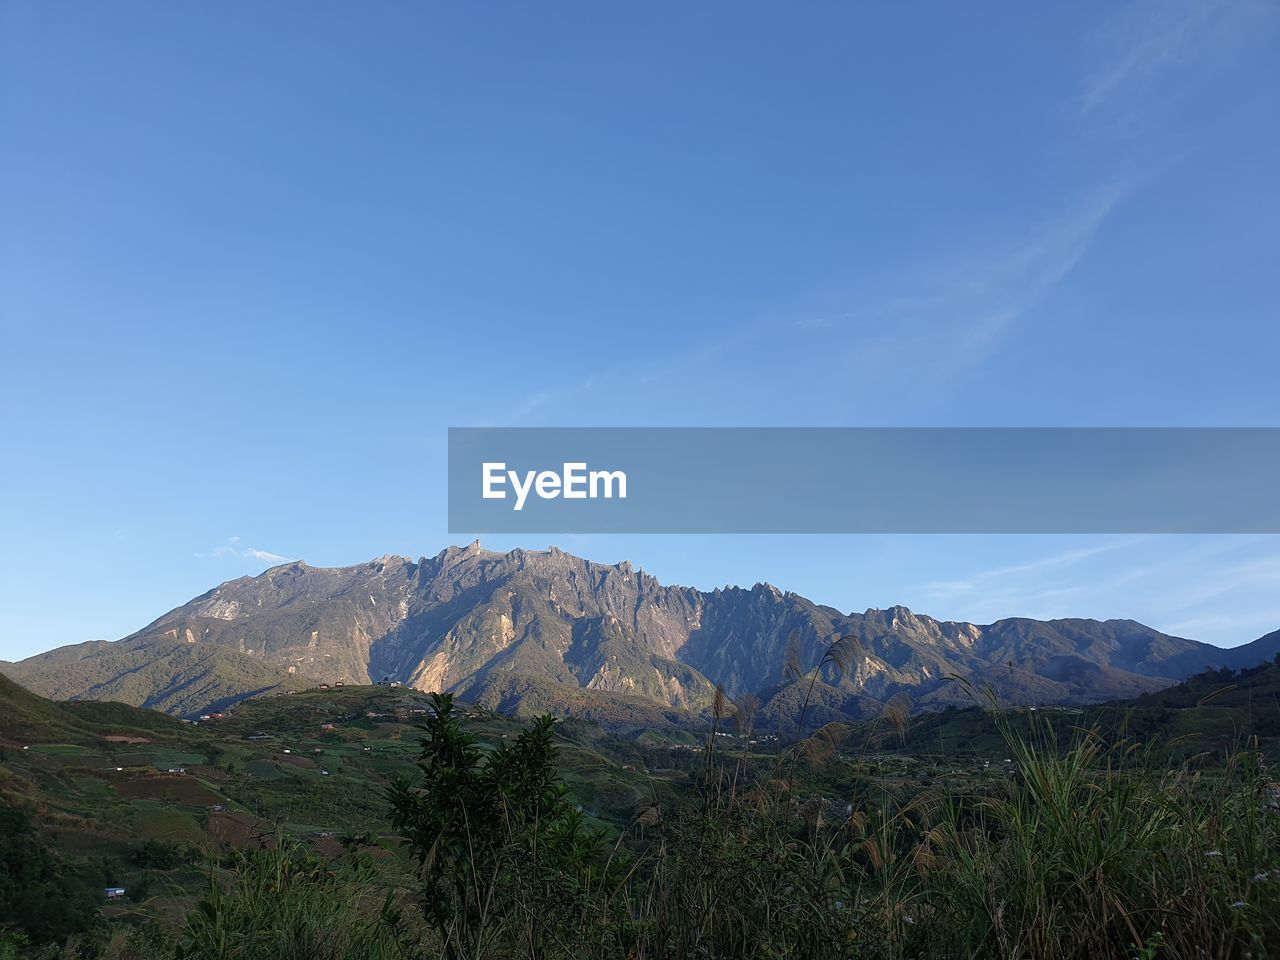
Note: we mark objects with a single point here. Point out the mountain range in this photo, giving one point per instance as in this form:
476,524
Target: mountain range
530,631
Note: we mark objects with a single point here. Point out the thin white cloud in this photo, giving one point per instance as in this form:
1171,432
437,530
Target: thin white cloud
1058,251
955,309
813,323
998,578
1146,49
1217,589
253,553
945,311
1252,624
232,550
1139,42
528,405
1221,581
949,314
520,411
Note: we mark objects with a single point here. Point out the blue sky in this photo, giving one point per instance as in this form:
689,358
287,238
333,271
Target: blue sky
256,258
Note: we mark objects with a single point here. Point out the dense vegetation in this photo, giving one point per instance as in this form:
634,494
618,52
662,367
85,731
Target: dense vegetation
959,834
45,898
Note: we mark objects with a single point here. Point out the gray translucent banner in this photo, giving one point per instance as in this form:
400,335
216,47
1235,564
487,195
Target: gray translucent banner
864,480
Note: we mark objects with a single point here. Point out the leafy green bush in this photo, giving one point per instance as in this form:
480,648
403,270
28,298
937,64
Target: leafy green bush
507,863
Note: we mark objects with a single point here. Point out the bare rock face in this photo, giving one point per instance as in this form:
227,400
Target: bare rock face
551,630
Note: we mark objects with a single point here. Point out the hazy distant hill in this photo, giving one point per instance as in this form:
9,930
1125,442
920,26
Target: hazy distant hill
546,630
1218,710
159,674
1250,689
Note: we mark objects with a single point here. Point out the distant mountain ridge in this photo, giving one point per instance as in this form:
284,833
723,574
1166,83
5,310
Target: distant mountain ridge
545,630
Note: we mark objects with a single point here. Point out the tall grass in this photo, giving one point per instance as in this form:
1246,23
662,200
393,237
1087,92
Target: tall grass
1091,848
284,903
1102,850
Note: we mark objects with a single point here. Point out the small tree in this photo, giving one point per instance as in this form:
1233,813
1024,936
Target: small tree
505,858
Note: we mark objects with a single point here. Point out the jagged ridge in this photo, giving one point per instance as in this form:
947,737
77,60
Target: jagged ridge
550,629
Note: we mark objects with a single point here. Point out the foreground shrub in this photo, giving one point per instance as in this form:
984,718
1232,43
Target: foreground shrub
507,864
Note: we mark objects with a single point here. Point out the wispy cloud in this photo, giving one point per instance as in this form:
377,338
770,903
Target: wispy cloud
266,556
1221,581
1138,43
1218,589
528,405
949,311
233,550
637,372
1147,53
954,308
1249,624
1011,286
999,578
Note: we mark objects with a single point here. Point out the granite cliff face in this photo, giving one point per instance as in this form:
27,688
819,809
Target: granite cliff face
533,630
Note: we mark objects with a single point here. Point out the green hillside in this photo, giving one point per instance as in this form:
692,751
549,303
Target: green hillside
179,678
1215,711
25,716
103,780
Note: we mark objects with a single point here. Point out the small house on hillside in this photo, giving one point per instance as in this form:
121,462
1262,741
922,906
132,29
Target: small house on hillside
114,893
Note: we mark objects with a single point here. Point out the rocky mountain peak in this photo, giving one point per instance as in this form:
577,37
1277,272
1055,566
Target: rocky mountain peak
550,630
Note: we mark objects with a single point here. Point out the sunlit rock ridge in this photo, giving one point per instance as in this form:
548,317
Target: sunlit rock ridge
545,630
